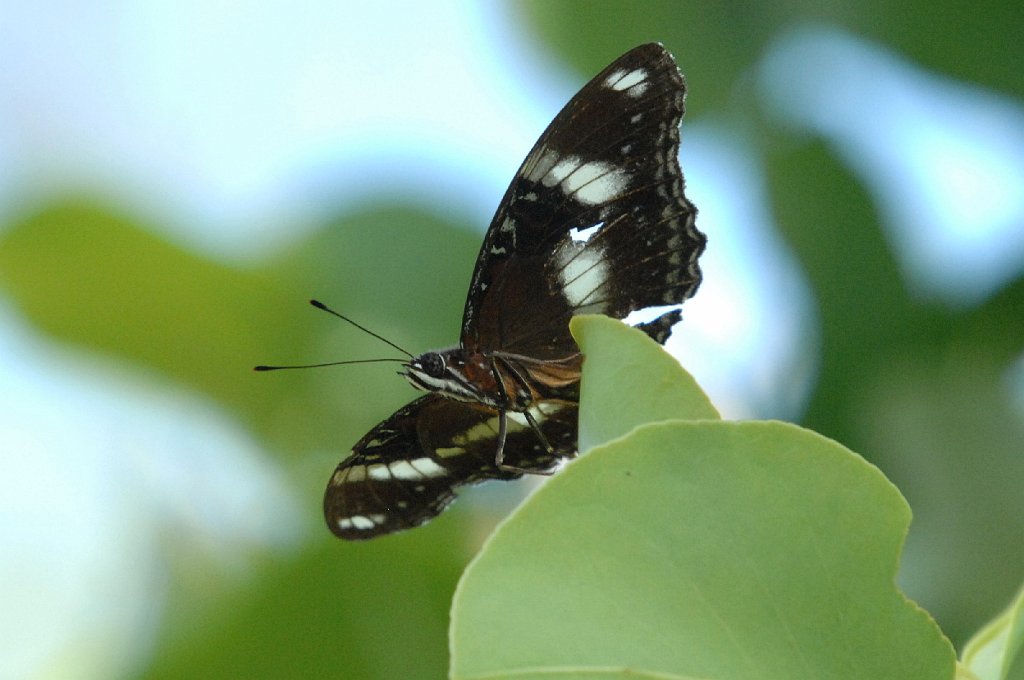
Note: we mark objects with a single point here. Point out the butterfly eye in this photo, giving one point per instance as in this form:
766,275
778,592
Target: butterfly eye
433,365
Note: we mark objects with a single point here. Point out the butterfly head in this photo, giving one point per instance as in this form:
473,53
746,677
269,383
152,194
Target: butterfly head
449,373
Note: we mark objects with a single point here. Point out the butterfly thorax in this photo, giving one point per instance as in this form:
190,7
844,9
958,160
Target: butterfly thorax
500,380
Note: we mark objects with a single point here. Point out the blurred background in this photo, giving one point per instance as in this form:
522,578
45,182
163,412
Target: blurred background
177,179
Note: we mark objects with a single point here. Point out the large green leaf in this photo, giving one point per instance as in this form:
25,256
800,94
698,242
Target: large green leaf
697,549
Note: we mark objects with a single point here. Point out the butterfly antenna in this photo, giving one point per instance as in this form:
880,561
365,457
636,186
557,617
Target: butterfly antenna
330,363
320,305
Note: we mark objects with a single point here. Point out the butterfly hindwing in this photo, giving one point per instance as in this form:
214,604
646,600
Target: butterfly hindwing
595,220
405,471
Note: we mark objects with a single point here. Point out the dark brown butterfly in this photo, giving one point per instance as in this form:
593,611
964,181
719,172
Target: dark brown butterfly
595,221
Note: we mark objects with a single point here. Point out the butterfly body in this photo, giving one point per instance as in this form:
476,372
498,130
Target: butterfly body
498,380
595,221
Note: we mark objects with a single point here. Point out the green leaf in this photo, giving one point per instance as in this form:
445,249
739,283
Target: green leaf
700,549
705,549
632,364
995,652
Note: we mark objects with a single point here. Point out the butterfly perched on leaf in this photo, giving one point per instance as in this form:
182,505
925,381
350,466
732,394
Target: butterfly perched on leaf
595,221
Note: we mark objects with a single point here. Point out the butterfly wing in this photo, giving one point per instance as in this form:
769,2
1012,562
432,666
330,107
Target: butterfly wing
595,221
405,471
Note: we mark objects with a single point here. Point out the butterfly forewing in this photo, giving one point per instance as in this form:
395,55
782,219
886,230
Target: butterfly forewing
595,220
406,469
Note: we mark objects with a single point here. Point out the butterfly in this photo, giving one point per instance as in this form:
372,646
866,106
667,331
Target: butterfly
595,221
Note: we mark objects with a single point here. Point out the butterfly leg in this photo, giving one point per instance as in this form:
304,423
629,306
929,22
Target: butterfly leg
499,457
536,429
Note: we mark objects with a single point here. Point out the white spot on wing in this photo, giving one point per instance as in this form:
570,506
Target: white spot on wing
597,182
416,469
583,235
620,80
613,79
352,474
379,471
540,167
561,170
590,183
637,90
648,314
488,428
582,272
361,522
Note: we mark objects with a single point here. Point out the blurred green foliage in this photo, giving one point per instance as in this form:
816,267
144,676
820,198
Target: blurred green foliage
101,279
916,387
717,43
996,652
